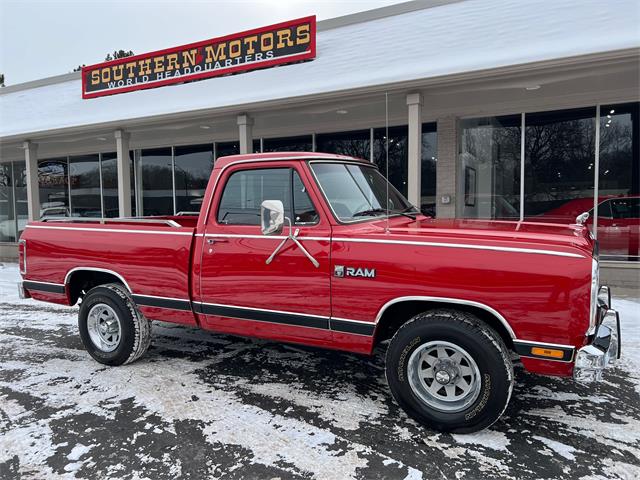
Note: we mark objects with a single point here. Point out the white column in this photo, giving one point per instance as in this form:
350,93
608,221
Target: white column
447,181
33,192
245,132
414,180
124,173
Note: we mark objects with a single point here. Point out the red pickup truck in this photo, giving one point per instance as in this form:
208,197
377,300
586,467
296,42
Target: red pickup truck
319,249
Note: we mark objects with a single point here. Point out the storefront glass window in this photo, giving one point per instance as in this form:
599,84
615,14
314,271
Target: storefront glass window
224,149
54,187
155,168
619,183
355,143
21,205
490,173
193,166
559,164
110,185
7,210
398,155
288,144
428,166
84,180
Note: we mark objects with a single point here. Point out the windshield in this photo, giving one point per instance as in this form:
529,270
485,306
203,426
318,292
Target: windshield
358,191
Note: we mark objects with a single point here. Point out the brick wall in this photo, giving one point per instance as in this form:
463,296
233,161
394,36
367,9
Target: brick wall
447,170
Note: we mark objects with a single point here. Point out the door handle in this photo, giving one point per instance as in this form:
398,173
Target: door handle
211,241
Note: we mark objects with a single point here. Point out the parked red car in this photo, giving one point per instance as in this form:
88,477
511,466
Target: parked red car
618,222
310,248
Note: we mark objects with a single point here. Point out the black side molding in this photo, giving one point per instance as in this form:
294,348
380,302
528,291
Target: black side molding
43,287
263,315
170,303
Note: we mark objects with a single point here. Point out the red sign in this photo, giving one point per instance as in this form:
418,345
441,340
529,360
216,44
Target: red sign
287,42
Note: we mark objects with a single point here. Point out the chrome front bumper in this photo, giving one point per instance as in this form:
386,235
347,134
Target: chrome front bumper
603,351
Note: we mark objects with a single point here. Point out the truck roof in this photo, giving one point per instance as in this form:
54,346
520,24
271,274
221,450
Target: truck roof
273,156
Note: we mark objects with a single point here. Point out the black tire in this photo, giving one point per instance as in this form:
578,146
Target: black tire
134,331
483,345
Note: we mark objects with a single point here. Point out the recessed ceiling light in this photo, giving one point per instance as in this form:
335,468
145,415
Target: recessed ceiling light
102,139
612,111
205,127
342,112
532,87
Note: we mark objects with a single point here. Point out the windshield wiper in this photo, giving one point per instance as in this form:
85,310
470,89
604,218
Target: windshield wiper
377,211
369,213
407,212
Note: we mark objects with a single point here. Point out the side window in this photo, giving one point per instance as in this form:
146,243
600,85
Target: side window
304,211
247,189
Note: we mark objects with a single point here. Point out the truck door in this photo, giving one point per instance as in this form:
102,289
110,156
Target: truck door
287,299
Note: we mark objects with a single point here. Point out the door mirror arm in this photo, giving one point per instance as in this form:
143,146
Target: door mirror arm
272,223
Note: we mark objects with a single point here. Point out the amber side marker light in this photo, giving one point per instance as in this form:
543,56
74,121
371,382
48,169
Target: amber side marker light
547,352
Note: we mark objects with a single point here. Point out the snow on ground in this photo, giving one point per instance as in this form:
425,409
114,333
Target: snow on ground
204,405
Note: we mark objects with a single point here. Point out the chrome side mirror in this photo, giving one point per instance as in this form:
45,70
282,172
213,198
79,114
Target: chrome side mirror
582,218
271,217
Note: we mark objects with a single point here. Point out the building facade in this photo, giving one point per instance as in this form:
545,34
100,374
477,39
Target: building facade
488,109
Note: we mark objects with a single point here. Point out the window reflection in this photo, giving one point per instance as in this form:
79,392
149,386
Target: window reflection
110,184
355,143
490,173
559,164
224,149
193,165
157,182
288,144
398,155
84,180
428,166
20,189
7,213
54,187
619,183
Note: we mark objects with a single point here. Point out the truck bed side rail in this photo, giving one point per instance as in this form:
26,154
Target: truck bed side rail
152,221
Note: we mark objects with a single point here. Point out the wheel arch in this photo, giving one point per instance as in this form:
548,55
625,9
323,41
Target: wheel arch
83,278
398,311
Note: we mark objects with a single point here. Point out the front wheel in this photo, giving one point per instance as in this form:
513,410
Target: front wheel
112,329
450,371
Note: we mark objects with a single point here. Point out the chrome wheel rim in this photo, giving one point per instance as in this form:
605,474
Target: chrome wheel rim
444,376
104,327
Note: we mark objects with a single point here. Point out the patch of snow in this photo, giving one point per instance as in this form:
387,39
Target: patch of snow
561,449
338,411
78,451
538,391
629,310
623,436
413,474
486,438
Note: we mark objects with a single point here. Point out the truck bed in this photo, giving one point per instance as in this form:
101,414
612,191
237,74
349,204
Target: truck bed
137,251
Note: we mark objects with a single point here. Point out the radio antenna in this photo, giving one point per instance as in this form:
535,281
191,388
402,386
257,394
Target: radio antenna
386,147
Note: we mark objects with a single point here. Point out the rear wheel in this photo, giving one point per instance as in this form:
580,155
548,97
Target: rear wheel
450,371
112,329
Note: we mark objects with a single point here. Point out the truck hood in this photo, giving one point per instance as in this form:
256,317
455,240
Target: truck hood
549,235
